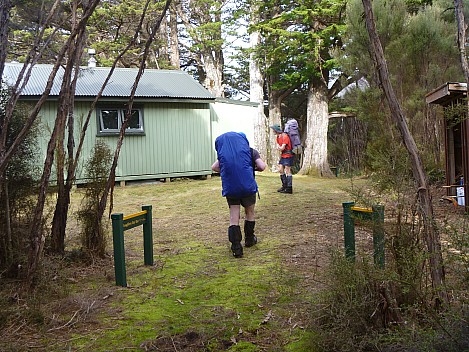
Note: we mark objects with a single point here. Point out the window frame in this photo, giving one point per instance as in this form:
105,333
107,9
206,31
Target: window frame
121,111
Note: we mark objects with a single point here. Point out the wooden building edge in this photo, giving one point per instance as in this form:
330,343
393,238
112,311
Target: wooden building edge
456,141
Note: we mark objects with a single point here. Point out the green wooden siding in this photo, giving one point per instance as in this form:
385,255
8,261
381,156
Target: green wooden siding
177,140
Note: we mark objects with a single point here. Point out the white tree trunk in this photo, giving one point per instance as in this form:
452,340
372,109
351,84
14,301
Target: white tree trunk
275,115
173,39
317,114
256,95
214,75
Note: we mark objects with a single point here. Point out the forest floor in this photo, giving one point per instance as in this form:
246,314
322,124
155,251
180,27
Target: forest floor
196,296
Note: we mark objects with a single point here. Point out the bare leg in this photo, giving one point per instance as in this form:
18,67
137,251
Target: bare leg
250,213
282,168
234,214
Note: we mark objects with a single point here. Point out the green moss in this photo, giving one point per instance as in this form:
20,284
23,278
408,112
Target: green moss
243,346
198,289
303,343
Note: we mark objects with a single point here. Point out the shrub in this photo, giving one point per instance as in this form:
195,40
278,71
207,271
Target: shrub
97,170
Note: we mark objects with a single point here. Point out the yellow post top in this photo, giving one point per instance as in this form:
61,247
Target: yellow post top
363,210
143,212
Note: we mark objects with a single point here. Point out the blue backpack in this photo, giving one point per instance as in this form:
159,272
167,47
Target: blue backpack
236,165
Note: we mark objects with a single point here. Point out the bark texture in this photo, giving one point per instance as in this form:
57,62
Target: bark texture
256,95
317,112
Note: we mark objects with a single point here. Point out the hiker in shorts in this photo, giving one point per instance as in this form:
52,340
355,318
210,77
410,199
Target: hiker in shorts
236,163
286,159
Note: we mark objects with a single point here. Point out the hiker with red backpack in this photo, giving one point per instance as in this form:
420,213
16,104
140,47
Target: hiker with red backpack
284,145
237,162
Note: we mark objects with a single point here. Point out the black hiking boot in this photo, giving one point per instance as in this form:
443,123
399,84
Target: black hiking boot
283,178
249,238
289,185
235,237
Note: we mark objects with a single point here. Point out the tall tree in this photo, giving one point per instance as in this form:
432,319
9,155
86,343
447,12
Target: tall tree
109,187
425,208
462,46
173,37
5,8
420,53
113,25
67,92
59,222
203,23
256,83
298,39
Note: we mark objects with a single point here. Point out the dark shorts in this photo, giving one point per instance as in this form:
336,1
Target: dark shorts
245,201
287,161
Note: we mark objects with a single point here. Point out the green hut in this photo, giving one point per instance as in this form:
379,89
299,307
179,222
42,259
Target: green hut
171,131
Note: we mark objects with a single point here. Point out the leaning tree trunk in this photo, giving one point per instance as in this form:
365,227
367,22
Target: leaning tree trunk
36,233
425,209
112,174
317,114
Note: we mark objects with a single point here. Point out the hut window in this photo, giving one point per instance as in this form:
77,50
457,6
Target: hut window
111,120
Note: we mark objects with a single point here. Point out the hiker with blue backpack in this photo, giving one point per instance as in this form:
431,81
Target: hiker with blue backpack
237,163
287,157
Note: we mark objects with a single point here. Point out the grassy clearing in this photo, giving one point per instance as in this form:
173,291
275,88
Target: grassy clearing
197,297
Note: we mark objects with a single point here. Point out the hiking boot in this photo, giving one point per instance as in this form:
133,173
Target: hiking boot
249,238
235,237
283,178
289,185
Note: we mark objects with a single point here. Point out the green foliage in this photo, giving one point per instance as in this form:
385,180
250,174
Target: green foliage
421,55
351,306
97,170
358,314
112,27
455,114
17,190
299,38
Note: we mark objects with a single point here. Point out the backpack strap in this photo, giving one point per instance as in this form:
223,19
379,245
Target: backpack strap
254,170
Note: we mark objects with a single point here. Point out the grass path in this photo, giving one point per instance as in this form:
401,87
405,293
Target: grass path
197,297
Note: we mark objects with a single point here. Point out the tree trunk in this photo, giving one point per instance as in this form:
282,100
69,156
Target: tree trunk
112,174
256,95
425,208
459,12
173,38
209,52
66,107
5,8
275,114
317,114
162,50
462,27
213,65
36,231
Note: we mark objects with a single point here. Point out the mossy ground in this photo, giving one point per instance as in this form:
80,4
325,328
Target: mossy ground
196,297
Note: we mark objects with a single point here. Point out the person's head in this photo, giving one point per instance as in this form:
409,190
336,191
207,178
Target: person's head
276,128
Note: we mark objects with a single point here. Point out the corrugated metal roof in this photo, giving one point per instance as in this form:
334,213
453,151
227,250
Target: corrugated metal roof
174,84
